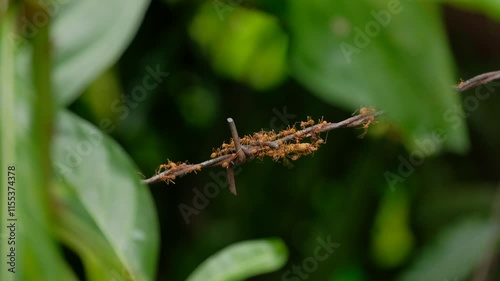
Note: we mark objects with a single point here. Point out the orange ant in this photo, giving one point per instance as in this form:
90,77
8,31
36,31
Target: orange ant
309,122
287,132
365,127
197,168
169,166
168,179
365,111
162,168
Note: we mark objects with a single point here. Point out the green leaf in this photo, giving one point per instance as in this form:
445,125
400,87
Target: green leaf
7,131
392,239
38,256
242,260
456,253
105,213
401,65
89,36
244,44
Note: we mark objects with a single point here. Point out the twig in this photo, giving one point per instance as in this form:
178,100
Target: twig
231,181
477,81
236,139
276,145
241,158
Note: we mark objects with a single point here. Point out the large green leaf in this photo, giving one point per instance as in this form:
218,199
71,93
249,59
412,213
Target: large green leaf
38,256
7,134
242,260
456,253
403,66
89,36
105,213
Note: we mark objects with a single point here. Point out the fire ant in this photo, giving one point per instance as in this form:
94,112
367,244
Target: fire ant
309,122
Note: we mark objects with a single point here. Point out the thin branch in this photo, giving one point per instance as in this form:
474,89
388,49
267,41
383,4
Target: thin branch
240,156
231,182
286,143
477,81
236,139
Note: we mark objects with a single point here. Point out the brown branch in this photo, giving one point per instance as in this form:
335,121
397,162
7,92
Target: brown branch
477,81
236,139
240,156
285,144
231,181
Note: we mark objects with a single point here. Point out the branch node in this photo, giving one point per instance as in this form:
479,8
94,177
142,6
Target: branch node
231,181
241,158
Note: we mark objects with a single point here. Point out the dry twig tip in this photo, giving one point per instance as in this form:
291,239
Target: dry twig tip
478,80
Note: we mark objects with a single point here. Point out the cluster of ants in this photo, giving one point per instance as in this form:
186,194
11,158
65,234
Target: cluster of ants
280,146
272,144
283,145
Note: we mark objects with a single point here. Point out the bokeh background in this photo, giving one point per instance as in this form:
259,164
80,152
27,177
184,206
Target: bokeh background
254,61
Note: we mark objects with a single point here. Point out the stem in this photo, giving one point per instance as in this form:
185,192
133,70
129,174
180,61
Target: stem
44,109
478,80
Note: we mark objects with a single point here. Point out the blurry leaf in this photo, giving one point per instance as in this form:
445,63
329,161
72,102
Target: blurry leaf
7,88
433,212
38,256
246,45
456,252
107,206
198,105
73,224
374,53
348,273
242,260
392,240
101,105
89,36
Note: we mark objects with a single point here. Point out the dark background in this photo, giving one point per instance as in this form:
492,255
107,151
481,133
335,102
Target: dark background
340,191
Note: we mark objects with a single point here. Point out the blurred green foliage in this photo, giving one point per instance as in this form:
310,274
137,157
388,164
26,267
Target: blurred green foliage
392,238
242,260
246,45
96,95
